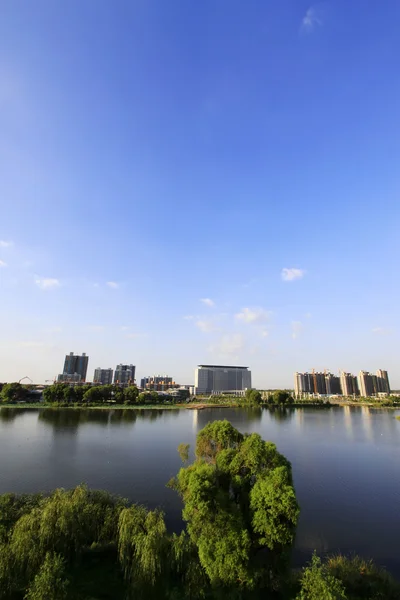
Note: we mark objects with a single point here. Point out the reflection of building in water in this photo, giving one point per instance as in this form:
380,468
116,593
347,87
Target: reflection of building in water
348,423
216,379
195,420
366,421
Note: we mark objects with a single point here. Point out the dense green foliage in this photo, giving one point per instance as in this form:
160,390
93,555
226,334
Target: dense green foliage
241,512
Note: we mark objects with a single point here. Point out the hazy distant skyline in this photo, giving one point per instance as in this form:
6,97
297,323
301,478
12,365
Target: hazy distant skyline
188,183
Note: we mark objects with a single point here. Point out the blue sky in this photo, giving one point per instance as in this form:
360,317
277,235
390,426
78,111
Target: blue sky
199,182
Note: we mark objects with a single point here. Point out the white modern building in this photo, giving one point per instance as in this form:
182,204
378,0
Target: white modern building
219,379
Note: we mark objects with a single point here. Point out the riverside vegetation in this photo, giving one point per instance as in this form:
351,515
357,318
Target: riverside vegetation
241,512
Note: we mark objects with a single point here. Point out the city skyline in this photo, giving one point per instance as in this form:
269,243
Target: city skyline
217,185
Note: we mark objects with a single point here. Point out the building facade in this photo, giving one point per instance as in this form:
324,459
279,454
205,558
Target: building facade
366,384
215,379
383,381
103,376
158,383
124,374
75,365
349,384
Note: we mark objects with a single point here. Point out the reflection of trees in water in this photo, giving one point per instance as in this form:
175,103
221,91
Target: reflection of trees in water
149,414
123,417
9,414
239,417
281,413
63,420
99,417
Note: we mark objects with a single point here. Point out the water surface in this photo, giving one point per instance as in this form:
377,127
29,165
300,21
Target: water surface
346,464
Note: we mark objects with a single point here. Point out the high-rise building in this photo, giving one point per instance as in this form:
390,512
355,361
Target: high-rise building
158,383
332,383
103,376
366,384
124,374
213,379
383,381
75,365
348,384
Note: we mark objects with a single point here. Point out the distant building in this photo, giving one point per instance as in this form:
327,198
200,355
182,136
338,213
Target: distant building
103,376
332,385
383,381
158,383
74,365
348,384
366,384
124,374
215,379
66,378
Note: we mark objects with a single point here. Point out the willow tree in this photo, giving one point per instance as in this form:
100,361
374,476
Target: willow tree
50,582
240,507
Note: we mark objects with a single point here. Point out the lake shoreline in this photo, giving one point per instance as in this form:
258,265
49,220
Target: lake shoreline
197,406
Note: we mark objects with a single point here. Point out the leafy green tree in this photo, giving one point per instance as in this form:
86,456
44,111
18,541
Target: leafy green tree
13,392
239,501
50,582
93,395
58,392
318,584
143,549
253,397
131,394
281,397
183,450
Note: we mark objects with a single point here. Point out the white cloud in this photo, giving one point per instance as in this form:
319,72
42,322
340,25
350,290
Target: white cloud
311,20
189,317
265,333
2,263
55,329
292,274
297,328
206,325
133,336
207,302
113,285
47,283
253,315
31,344
124,328
228,345
380,331
4,244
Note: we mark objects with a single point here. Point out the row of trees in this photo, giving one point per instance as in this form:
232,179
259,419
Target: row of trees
240,510
64,394
277,398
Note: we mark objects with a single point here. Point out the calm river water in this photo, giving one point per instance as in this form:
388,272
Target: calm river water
346,464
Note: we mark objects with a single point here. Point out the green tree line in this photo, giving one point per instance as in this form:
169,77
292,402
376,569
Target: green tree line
240,510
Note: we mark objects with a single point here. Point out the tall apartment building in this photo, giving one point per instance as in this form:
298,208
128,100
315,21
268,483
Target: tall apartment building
383,381
103,376
158,383
75,368
124,374
332,383
214,379
348,384
366,384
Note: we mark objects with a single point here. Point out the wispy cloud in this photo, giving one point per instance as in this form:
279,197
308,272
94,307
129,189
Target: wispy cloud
189,317
54,329
113,285
5,244
207,302
206,325
381,330
311,20
48,283
292,274
2,263
228,345
134,336
30,344
253,315
297,328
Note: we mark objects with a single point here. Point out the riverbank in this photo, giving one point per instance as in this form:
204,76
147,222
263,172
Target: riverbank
194,406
